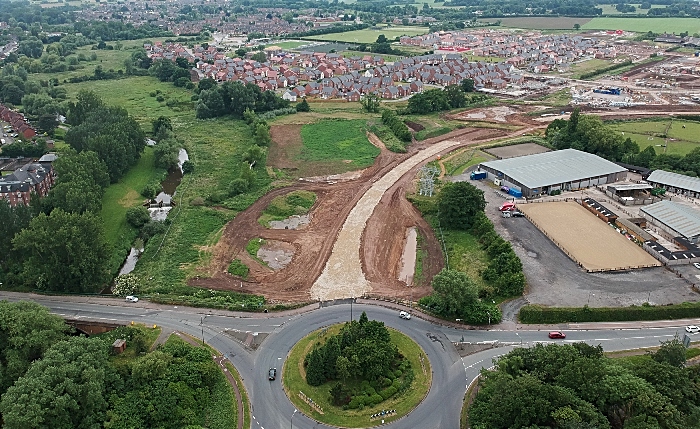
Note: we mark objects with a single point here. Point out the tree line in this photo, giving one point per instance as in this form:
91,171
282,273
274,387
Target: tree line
460,207
234,98
588,133
577,386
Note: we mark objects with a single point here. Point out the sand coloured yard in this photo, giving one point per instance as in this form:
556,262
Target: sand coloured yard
585,238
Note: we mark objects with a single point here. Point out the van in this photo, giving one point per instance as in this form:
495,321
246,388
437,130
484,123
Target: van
404,315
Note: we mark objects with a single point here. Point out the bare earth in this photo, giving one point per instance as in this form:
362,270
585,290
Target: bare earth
585,238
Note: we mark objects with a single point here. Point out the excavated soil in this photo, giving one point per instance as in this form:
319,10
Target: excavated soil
382,238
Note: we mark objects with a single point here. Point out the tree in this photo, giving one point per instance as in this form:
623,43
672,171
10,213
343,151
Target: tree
82,179
303,106
66,389
454,291
126,284
455,96
468,85
370,103
240,52
671,352
459,203
167,153
577,27
65,252
27,330
162,123
87,102
262,134
31,47
259,57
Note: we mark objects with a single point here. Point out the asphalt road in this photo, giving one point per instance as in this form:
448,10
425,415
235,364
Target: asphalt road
272,409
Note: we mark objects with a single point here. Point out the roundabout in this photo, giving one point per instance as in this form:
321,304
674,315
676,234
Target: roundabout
394,400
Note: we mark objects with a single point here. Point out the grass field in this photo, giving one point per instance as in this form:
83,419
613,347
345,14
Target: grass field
587,66
288,44
294,381
650,133
543,23
121,196
370,36
338,141
642,25
580,234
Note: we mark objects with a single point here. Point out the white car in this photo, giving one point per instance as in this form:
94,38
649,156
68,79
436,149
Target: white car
692,329
405,315
696,265
132,298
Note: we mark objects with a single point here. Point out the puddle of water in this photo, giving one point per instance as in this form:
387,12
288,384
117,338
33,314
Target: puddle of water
292,222
130,262
408,258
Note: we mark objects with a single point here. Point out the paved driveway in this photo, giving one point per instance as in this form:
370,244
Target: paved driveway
555,280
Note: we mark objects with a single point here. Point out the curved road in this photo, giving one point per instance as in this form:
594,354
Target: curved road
270,407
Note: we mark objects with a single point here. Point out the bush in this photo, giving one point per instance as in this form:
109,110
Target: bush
237,187
548,315
138,216
399,129
375,399
151,190
388,392
238,268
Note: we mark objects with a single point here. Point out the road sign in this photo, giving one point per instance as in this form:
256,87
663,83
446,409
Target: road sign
686,341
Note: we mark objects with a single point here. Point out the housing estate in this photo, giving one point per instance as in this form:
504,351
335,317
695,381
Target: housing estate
32,178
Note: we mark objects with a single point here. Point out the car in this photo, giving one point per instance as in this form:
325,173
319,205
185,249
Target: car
272,374
405,315
132,298
517,214
692,329
507,206
557,334
696,265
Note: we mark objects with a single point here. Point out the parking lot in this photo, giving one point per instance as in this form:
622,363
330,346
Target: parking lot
555,280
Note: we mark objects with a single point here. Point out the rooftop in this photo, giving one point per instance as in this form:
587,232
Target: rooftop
681,218
674,179
550,168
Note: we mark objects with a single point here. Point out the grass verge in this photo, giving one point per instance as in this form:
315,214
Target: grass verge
238,268
294,381
550,315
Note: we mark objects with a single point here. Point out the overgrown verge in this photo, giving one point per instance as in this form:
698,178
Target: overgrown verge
536,314
610,68
397,126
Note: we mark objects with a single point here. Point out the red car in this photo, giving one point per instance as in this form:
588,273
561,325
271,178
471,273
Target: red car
557,334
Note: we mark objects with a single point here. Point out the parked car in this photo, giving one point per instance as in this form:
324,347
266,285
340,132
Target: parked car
517,214
272,374
405,315
507,206
696,265
132,298
692,329
557,334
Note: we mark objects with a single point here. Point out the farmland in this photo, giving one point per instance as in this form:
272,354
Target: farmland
369,35
642,25
683,136
544,23
342,142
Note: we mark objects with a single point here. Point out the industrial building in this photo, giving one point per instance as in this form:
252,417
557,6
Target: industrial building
674,220
562,170
676,183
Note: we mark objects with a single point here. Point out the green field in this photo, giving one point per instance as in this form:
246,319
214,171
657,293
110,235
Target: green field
651,133
642,25
121,196
339,142
288,44
403,403
370,36
587,66
542,23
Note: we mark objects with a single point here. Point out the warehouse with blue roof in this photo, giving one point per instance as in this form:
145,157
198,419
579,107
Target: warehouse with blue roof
561,170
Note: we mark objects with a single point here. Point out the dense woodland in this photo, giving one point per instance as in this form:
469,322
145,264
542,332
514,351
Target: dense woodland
576,387
52,380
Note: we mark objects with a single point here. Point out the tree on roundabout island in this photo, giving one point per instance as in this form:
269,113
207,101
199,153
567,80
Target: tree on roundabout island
356,374
363,365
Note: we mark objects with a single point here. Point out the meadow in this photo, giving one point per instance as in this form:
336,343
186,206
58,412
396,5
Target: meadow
339,142
543,22
683,136
369,35
642,25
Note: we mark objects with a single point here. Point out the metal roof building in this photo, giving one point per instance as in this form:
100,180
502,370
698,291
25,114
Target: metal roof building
675,182
566,169
675,219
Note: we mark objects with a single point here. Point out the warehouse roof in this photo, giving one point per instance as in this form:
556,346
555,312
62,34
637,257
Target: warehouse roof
681,218
674,179
551,168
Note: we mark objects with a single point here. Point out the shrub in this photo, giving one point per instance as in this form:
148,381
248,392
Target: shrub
151,190
548,315
399,129
237,187
375,399
388,392
238,268
138,216
126,284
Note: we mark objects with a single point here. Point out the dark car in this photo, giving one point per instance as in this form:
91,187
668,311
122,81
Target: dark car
272,374
557,334
517,214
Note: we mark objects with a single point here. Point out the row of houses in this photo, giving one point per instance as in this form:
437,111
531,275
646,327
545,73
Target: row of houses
32,178
335,76
17,121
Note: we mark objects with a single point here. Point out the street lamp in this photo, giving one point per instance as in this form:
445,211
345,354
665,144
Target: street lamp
201,324
589,297
291,418
353,300
521,340
489,317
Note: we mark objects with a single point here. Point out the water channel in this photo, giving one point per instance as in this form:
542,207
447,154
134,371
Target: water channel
159,207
